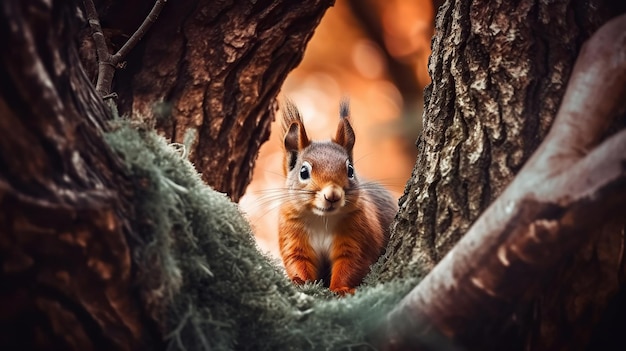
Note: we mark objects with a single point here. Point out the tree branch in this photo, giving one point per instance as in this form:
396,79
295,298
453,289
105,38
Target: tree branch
140,32
107,62
569,187
106,69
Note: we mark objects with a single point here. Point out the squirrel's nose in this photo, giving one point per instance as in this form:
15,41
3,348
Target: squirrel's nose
332,197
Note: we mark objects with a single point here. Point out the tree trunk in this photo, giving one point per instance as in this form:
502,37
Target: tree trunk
207,73
499,71
64,196
67,222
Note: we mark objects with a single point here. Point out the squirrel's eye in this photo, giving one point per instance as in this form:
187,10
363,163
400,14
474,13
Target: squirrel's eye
350,171
305,171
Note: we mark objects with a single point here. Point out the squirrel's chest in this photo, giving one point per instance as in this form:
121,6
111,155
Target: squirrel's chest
320,232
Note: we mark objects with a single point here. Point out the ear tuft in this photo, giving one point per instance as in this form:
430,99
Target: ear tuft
344,107
290,115
345,134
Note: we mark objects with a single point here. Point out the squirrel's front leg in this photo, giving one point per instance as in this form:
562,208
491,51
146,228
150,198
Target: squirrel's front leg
300,268
298,256
348,267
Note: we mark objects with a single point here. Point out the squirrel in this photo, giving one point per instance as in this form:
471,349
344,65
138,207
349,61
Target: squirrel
332,225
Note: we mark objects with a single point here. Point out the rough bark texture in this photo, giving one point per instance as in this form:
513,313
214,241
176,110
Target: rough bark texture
207,73
499,71
574,183
66,263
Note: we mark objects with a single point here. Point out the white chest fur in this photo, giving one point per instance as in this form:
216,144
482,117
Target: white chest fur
320,230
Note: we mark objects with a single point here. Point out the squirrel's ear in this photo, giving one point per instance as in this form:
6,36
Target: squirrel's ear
294,134
295,140
295,137
345,134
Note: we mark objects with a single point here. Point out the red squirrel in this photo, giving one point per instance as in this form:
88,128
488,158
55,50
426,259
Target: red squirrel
332,226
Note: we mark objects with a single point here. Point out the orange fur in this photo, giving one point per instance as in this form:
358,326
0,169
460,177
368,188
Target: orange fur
329,221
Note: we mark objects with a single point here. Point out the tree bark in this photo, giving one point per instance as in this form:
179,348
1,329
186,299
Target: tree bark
499,71
207,73
541,218
66,267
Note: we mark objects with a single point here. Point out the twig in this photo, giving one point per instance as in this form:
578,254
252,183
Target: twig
573,184
107,62
105,67
140,32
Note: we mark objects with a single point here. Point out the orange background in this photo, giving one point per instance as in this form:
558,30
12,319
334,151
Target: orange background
342,60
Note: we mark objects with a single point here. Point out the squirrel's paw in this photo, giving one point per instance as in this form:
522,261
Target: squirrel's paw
297,280
343,291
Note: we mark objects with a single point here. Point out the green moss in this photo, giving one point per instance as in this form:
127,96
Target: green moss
198,267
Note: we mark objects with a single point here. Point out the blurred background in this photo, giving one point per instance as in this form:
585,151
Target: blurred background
376,53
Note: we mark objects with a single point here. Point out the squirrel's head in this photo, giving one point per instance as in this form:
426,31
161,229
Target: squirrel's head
320,174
